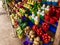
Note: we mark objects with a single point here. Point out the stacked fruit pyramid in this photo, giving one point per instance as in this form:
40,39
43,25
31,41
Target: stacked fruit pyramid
36,22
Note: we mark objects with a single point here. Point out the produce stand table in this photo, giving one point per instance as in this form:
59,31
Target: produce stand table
44,12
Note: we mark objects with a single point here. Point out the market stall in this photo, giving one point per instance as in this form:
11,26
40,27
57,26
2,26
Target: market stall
35,21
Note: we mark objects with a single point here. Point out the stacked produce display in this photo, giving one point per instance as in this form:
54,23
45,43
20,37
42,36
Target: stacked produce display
36,22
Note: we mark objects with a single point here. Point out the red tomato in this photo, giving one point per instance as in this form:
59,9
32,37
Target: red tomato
35,27
52,20
47,17
46,38
45,27
39,32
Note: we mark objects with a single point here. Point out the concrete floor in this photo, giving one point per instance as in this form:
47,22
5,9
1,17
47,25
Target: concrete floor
6,32
7,35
